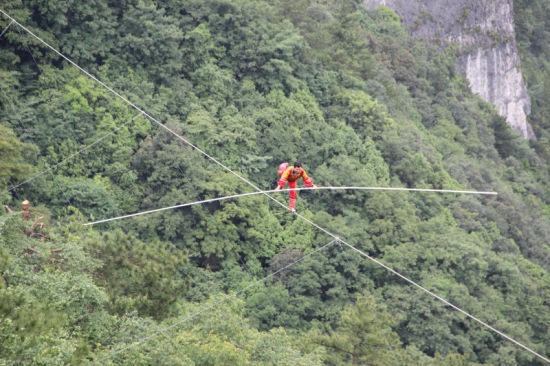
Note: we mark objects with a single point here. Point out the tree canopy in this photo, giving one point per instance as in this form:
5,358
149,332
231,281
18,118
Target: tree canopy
255,83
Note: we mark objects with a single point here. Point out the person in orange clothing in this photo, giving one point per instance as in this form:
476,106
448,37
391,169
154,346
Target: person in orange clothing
292,174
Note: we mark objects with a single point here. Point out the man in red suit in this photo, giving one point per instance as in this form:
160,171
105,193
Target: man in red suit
292,174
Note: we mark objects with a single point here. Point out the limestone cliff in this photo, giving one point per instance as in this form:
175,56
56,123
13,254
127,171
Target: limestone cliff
484,32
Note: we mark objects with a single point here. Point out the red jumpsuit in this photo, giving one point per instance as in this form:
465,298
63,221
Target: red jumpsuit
288,175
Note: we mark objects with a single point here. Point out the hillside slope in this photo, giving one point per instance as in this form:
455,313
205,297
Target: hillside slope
342,88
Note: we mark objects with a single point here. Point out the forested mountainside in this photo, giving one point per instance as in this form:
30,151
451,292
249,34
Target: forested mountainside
483,34
251,84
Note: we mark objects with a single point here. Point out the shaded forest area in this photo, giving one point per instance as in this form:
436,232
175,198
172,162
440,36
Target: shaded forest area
255,83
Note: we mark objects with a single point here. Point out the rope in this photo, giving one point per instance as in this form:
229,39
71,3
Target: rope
216,303
283,190
6,29
71,156
264,192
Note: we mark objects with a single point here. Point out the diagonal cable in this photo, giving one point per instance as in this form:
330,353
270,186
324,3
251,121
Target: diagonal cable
6,29
71,156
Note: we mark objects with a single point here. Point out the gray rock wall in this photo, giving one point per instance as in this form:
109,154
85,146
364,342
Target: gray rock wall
484,31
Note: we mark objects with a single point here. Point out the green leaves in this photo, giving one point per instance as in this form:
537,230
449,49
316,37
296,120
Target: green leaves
365,115
151,38
138,276
253,84
13,165
362,336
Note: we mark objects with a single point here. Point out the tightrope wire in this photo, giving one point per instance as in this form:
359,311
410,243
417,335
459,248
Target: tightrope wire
283,190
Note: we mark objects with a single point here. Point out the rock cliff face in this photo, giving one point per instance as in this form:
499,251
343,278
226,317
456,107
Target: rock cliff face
484,32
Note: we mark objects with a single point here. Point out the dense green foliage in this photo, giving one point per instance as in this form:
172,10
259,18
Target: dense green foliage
255,83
